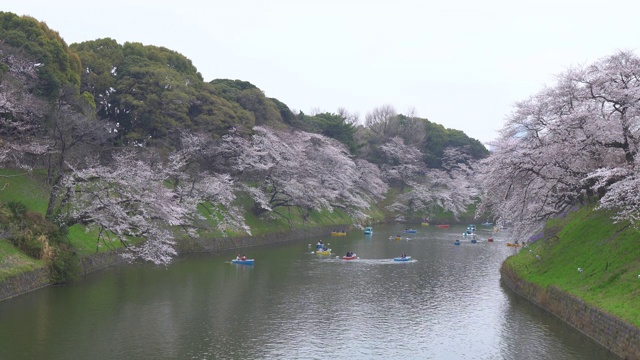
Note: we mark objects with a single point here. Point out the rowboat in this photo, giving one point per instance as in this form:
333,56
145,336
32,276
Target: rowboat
490,239
406,258
243,262
368,230
323,252
352,257
457,242
444,226
410,231
425,224
338,233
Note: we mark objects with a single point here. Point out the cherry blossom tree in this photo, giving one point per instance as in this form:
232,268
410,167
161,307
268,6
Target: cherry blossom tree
452,187
299,169
140,195
72,135
402,163
193,180
566,142
21,111
124,201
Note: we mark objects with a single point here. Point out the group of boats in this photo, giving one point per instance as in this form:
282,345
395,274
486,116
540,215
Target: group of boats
471,230
369,230
322,249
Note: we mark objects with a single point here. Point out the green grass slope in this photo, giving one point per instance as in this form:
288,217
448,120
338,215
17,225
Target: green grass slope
607,253
28,189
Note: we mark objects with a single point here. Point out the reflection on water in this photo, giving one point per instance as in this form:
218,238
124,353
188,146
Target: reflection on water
447,303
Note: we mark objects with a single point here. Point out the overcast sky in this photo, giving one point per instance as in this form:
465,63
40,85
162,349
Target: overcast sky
459,63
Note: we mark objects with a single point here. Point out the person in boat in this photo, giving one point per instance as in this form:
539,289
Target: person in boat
243,258
238,257
324,247
404,256
349,254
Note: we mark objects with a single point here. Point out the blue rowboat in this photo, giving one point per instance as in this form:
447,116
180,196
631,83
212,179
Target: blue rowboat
406,258
457,242
243,262
410,231
368,230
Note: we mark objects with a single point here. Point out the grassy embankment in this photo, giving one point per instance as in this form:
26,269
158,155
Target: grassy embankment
28,190
607,253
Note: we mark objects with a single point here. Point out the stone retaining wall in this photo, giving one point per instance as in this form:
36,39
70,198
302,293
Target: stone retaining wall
24,283
39,278
619,337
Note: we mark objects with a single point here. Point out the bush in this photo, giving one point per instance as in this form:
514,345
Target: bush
64,267
17,209
29,244
32,233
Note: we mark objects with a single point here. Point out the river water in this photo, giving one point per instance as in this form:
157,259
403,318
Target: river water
447,303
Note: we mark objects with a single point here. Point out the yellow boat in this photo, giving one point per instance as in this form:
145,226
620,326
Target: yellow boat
338,233
323,252
425,224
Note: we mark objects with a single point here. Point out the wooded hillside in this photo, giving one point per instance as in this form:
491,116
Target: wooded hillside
138,147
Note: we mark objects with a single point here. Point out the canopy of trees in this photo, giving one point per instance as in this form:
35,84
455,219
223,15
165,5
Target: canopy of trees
384,123
54,63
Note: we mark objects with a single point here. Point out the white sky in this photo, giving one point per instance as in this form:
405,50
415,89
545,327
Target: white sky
459,63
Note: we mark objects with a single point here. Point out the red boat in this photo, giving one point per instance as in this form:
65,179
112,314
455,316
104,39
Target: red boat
490,239
446,226
352,257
